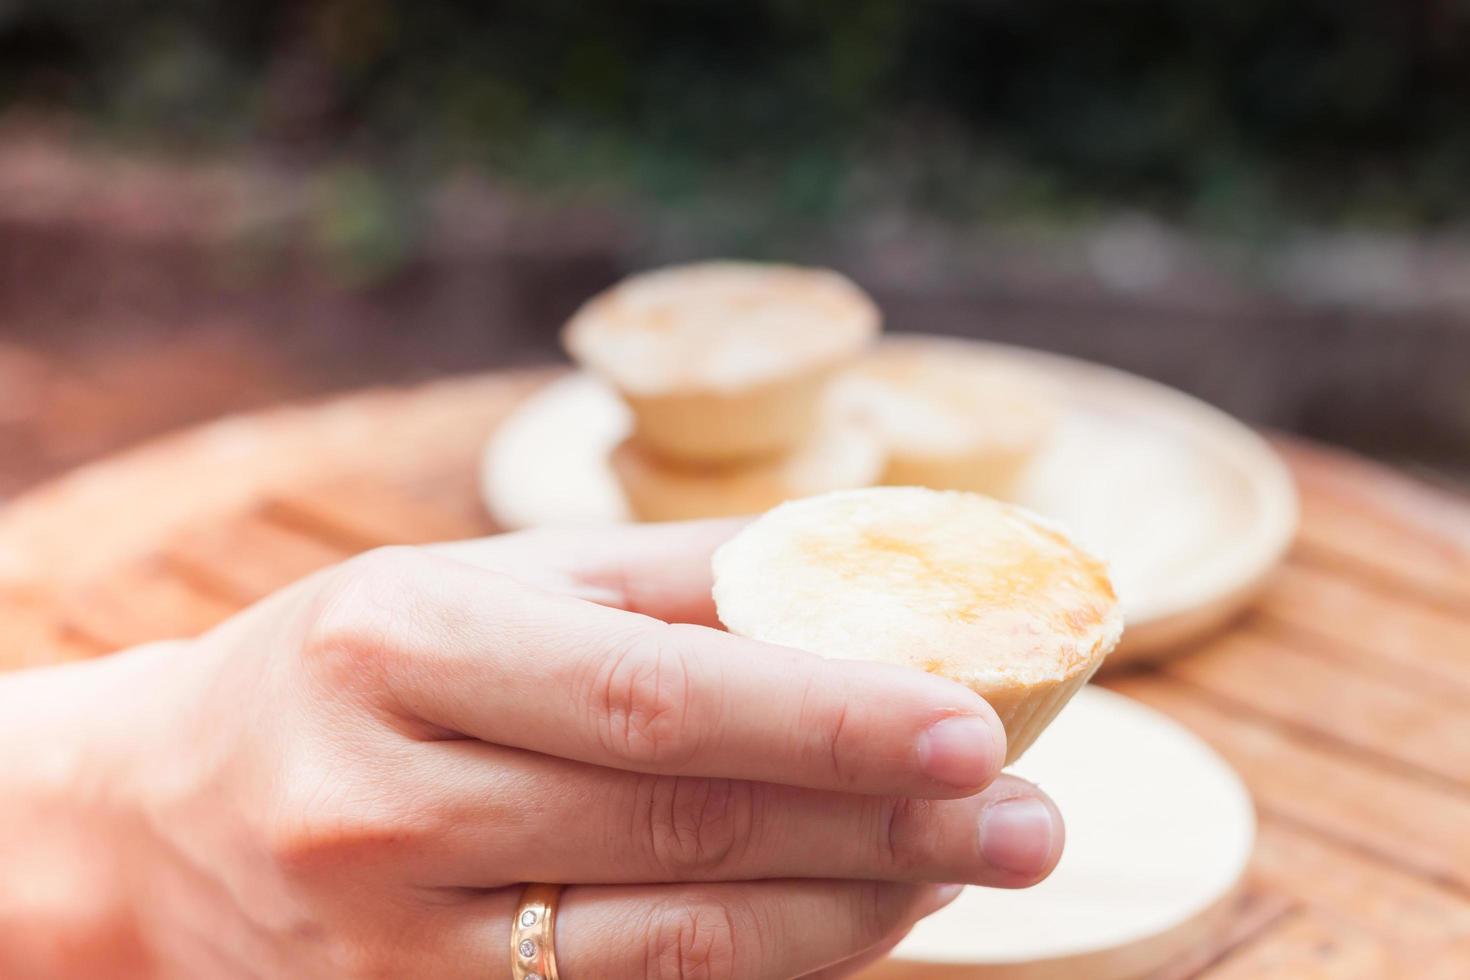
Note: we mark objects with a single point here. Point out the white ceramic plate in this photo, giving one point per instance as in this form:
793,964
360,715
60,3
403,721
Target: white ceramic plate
1159,834
1190,507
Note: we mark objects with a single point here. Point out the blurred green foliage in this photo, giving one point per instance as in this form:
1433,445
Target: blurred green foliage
1229,114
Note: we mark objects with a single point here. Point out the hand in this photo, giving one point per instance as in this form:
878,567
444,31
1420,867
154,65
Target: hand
351,779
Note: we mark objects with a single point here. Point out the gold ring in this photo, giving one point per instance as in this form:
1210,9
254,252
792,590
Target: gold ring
533,934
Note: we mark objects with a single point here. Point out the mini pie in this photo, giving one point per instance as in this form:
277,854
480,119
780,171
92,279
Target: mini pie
840,456
949,419
723,360
960,585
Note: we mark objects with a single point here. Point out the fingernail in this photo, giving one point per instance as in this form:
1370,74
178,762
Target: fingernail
1016,835
939,896
960,750
944,894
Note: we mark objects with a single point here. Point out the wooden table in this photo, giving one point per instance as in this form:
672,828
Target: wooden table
1343,699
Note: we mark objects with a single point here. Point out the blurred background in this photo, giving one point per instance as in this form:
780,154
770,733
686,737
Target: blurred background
208,206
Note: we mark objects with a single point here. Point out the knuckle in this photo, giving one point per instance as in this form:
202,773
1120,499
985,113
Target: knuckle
826,718
377,571
875,912
322,825
700,940
698,827
903,831
308,847
353,596
302,847
350,627
643,703
834,728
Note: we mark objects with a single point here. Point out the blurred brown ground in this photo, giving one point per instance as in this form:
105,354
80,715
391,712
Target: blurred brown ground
140,296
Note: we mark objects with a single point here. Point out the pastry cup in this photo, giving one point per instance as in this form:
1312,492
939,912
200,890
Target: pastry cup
949,420
729,425
963,586
723,361
839,457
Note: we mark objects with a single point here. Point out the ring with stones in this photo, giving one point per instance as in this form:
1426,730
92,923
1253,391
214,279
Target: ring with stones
532,935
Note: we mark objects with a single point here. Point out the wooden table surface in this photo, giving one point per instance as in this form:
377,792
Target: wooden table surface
1343,699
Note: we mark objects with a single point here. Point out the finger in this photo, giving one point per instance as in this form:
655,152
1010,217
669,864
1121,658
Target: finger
461,650
863,961
660,570
941,896
585,823
735,931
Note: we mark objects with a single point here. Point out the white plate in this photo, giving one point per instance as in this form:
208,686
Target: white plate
1190,507
1159,834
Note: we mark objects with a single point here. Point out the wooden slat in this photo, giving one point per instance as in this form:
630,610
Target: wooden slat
1411,639
1400,819
1339,539
1361,518
1306,946
143,602
248,558
25,377
1413,915
451,489
33,634
1417,726
1385,495
68,531
360,514
1255,911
